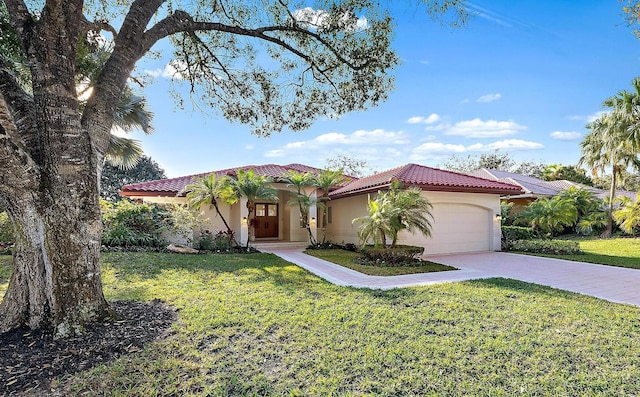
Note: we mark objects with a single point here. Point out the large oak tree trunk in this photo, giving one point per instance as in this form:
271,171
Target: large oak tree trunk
56,278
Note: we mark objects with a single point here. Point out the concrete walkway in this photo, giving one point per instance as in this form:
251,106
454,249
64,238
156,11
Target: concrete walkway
614,284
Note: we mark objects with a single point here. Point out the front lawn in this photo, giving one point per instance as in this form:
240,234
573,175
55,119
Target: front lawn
345,258
255,325
622,252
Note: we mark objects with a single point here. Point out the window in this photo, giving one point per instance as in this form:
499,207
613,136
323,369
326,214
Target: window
272,210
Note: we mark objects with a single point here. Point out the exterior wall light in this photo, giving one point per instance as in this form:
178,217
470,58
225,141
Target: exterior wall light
244,221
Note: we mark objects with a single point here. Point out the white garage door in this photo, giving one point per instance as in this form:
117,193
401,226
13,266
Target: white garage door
456,228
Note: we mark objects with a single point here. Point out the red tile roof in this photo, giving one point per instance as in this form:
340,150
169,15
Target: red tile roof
172,186
426,178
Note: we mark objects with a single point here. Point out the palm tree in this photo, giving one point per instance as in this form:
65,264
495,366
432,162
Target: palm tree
607,146
393,211
550,215
412,211
304,201
590,209
253,187
208,190
325,180
628,216
375,226
625,105
131,114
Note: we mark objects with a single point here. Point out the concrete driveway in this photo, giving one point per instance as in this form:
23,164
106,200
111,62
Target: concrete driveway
614,284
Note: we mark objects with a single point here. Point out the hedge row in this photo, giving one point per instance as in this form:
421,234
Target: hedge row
556,247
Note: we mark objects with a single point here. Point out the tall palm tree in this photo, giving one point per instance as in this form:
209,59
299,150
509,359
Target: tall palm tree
607,146
253,187
208,190
325,180
628,216
304,201
625,105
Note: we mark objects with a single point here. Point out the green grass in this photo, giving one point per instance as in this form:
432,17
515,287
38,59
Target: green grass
255,325
621,252
345,258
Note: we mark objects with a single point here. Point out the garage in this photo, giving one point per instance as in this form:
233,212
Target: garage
459,228
466,209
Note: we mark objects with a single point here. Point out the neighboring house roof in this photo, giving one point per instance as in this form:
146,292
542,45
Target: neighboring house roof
535,187
426,178
172,186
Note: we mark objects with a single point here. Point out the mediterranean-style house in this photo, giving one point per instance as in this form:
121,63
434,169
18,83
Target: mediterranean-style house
466,209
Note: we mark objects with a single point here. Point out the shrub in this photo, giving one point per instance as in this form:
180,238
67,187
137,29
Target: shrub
127,224
514,233
221,241
556,247
404,255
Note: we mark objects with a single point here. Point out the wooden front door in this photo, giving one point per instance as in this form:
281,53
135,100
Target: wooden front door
266,220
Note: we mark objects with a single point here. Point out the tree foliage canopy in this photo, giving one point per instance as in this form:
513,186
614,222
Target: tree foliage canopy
113,177
501,161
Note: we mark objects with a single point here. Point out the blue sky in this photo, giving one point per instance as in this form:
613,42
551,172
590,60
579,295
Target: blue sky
524,77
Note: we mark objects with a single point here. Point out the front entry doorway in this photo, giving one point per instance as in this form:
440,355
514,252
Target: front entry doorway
266,220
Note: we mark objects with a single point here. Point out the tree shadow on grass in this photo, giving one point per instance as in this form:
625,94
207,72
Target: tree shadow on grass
151,265
512,288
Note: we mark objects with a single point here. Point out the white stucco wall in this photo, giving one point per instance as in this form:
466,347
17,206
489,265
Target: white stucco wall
463,222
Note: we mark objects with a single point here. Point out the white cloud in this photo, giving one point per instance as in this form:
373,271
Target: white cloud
478,128
361,141
489,98
425,62
172,70
275,153
249,147
431,150
588,119
438,148
432,118
507,144
566,135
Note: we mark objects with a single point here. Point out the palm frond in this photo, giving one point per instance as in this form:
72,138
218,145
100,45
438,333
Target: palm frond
123,152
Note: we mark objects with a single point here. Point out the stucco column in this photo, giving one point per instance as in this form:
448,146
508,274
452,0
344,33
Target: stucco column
497,231
244,221
314,219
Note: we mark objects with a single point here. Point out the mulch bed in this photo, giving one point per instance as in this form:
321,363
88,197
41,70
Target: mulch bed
29,360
